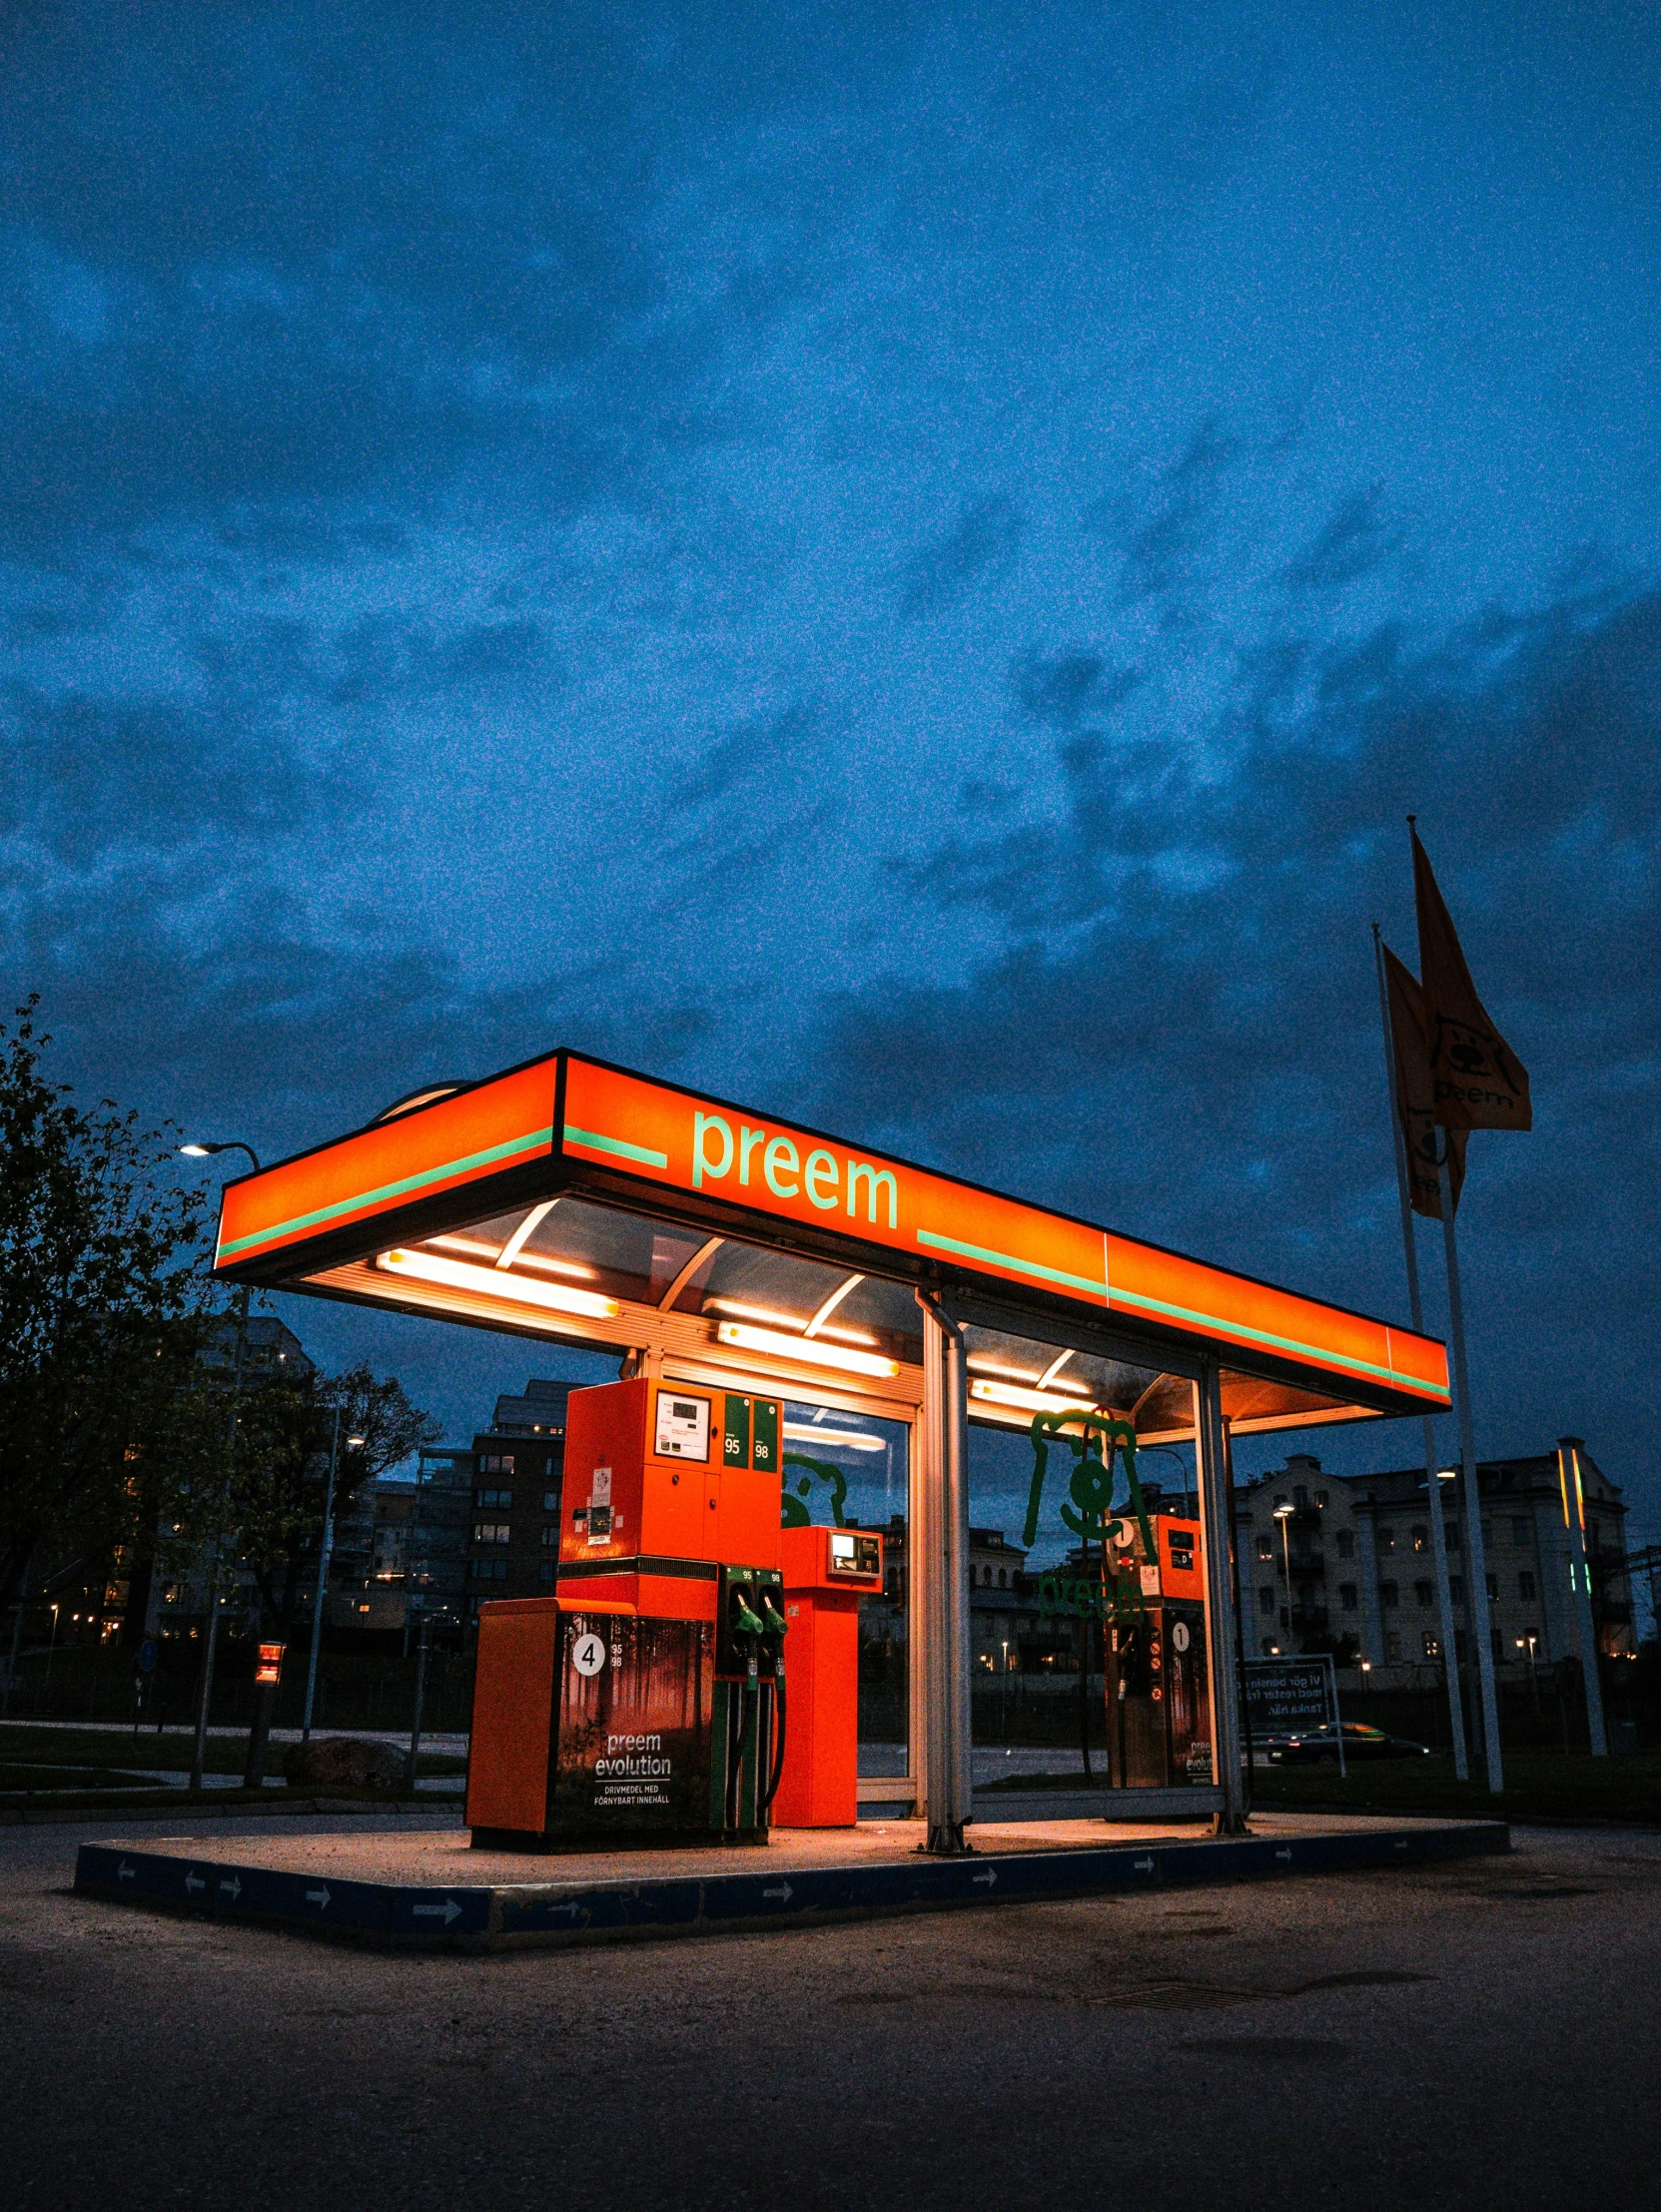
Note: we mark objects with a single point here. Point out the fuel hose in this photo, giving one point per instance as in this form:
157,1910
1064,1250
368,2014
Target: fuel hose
778,1740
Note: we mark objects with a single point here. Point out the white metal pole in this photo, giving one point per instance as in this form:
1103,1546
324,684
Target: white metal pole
199,1751
1580,1582
1476,1551
323,1579
940,1566
1212,1456
1432,1481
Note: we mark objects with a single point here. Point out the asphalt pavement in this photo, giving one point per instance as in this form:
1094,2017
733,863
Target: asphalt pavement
1481,2034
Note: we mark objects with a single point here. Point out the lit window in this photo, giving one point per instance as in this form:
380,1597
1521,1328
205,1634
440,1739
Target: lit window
1421,1540
1432,1648
492,1532
1387,1540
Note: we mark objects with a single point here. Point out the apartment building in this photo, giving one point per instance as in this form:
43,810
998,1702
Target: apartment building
1350,1568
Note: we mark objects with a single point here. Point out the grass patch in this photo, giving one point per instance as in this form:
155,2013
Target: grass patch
1097,1779
1542,1785
169,1751
18,1775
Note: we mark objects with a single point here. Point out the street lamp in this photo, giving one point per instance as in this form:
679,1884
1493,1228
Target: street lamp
207,1150
353,1444
230,1145
52,1645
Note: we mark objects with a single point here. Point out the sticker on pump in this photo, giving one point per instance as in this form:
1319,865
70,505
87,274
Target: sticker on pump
589,1653
682,1426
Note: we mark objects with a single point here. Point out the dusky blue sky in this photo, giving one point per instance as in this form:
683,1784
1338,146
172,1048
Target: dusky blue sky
903,564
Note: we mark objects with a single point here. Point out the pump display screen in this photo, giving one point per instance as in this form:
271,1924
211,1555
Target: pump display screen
682,1427
851,1554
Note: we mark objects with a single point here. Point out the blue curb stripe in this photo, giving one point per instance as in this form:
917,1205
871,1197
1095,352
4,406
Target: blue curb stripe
489,1917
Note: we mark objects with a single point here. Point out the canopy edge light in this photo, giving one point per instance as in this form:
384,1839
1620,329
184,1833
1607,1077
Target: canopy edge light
566,1122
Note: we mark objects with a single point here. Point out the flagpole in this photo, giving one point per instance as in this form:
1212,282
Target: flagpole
1474,1551
1432,1477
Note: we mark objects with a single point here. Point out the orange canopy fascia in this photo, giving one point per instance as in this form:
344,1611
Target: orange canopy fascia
568,1122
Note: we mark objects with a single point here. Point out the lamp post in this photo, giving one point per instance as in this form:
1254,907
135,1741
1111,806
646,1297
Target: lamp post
199,1749
51,1647
1284,1514
352,1442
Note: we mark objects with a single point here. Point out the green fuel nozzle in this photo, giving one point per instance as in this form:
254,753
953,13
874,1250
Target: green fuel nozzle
775,1619
745,1622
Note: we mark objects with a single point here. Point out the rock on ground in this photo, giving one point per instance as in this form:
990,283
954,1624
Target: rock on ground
342,1762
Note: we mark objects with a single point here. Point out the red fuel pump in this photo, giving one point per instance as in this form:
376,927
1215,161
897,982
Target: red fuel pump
826,1573
640,1699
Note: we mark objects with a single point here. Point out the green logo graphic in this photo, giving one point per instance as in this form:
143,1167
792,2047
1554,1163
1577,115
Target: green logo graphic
1090,1512
795,1513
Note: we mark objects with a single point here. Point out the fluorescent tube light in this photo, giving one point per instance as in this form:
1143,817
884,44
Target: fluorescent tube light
496,1282
848,1440
811,1351
769,1319
1029,1401
500,1256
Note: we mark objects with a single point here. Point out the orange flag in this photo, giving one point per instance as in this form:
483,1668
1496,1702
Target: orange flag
1415,1093
1478,1081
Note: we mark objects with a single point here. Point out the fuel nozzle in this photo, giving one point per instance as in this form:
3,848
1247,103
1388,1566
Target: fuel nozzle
775,1623
744,1621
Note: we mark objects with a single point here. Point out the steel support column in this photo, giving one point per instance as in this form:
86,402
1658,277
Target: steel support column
1211,1451
941,1565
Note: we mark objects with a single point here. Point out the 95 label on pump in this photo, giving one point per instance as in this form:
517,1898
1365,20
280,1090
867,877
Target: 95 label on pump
682,1426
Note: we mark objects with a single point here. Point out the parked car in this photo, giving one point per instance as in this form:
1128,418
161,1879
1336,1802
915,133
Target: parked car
1318,1747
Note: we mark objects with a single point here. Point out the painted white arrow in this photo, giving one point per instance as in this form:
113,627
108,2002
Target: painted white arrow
1142,1865
784,1893
318,1897
447,1912
235,1886
124,1872
193,1881
1284,1854
989,1877
573,1908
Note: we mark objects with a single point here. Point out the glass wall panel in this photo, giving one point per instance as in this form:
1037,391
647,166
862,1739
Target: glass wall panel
852,1470
1087,1615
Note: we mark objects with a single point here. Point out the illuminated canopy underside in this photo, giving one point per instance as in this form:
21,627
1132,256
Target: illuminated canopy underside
585,1251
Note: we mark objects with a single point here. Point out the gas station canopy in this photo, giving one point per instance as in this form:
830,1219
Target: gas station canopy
572,1200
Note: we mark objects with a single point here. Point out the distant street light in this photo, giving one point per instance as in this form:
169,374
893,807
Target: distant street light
1284,1514
353,1444
231,1144
207,1150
